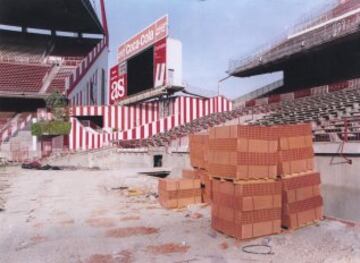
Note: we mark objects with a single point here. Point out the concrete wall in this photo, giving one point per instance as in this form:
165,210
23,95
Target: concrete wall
19,148
174,61
340,187
340,182
115,159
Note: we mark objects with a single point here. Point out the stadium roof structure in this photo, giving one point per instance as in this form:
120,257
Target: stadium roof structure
58,15
334,29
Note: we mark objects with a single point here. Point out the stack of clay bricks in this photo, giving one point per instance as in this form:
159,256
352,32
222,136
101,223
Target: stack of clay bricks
243,153
179,193
246,194
199,148
302,200
296,154
246,209
194,186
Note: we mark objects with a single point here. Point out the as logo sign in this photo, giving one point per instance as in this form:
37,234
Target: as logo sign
118,89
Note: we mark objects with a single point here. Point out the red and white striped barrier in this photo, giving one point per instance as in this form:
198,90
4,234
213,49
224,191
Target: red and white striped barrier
140,121
14,127
128,117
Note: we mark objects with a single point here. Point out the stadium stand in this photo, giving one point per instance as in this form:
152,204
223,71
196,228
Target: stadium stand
31,56
336,24
39,51
335,116
17,46
58,83
22,77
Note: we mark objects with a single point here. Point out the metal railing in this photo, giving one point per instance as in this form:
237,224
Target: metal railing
286,46
325,34
258,92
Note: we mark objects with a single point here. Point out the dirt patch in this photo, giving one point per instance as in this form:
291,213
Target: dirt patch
66,222
125,256
101,222
131,231
99,212
196,216
38,225
224,245
168,248
130,218
152,207
59,213
100,259
38,239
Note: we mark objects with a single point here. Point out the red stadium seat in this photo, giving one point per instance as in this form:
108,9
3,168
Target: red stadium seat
22,77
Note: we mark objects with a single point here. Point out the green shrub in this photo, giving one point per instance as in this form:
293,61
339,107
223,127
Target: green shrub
50,128
57,104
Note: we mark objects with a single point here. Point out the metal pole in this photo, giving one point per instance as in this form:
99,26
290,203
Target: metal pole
220,81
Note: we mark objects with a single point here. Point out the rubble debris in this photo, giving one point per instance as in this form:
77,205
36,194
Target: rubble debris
134,192
101,222
32,165
120,188
224,245
168,248
37,166
130,231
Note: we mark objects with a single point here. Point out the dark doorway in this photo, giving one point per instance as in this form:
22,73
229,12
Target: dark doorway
158,160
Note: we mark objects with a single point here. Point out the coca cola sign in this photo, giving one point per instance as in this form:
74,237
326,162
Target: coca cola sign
149,36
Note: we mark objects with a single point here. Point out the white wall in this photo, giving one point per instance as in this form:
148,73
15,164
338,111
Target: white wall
94,71
174,61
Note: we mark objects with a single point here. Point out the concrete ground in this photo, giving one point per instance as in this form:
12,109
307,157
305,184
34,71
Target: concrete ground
110,216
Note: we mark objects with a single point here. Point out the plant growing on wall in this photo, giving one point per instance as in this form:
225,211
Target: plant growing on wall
51,128
56,103
60,125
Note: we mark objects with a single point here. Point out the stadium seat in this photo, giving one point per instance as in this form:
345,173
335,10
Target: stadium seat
326,112
58,83
22,77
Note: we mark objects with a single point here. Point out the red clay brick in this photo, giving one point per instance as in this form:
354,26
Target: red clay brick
179,192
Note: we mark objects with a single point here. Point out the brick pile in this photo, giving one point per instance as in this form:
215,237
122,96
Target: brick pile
256,179
172,193
242,153
296,153
302,200
199,148
243,162
246,209
179,193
